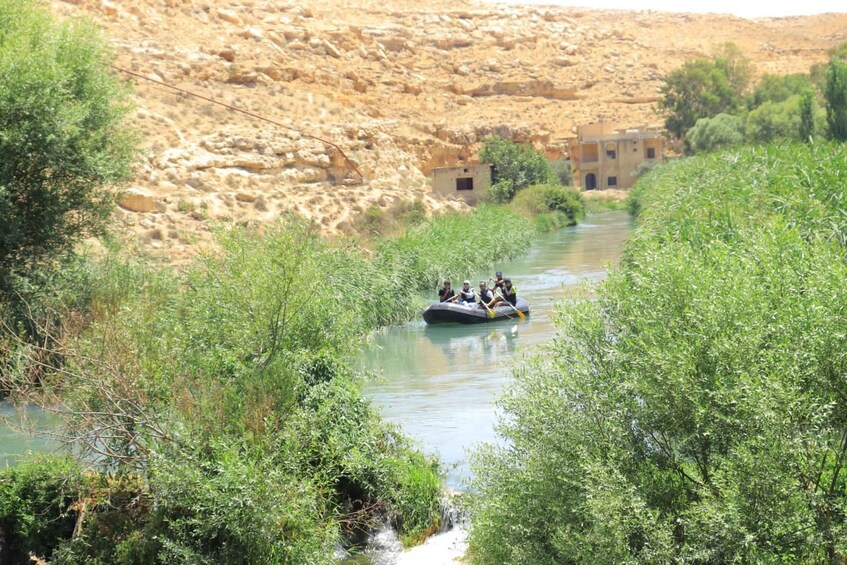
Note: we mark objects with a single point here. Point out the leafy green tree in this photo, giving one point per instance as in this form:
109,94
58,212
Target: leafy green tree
515,167
775,88
835,94
729,57
702,88
807,115
712,133
62,136
774,120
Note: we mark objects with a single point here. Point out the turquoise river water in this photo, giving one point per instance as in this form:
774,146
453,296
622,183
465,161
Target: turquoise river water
440,383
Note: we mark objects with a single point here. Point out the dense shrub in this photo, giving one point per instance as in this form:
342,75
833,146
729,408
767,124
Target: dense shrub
38,506
709,134
693,411
552,206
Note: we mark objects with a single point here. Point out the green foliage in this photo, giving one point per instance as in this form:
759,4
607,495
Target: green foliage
778,88
37,511
702,88
807,115
437,249
62,136
363,463
709,134
562,169
835,93
515,167
736,66
693,411
552,206
228,385
774,120
236,509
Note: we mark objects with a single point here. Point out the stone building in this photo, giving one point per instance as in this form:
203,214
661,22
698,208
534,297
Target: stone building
603,156
468,182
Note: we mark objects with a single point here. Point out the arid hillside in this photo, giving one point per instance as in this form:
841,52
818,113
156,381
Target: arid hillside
397,87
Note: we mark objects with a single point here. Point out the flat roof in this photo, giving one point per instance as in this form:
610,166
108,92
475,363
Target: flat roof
475,165
621,135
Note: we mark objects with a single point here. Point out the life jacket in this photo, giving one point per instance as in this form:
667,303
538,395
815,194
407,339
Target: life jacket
511,294
444,295
486,295
466,296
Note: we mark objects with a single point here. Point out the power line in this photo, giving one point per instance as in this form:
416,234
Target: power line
251,114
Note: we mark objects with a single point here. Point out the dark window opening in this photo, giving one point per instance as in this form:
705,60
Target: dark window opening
613,181
651,152
610,153
590,181
466,170
464,184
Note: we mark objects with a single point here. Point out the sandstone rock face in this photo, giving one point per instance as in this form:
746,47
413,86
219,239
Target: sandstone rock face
137,200
348,104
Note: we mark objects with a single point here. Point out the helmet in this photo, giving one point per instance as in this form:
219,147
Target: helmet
498,274
467,282
507,280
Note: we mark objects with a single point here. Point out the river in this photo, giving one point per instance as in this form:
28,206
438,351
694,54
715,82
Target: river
440,383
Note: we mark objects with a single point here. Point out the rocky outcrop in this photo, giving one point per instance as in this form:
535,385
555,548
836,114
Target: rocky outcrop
392,87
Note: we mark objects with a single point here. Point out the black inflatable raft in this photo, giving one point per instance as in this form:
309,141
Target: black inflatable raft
446,312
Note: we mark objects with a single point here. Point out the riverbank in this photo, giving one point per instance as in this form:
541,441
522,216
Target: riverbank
690,410
237,389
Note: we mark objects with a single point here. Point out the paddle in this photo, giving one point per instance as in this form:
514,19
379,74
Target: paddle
490,311
520,314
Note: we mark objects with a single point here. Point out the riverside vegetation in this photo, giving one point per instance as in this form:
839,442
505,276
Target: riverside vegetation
217,402
211,412
695,411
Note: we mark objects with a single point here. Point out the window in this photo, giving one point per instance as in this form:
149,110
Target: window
651,152
464,184
590,181
613,181
610,153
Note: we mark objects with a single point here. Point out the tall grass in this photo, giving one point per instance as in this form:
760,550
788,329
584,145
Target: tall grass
453,245
695,410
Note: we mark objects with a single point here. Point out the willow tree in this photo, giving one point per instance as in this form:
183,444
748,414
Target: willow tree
63,142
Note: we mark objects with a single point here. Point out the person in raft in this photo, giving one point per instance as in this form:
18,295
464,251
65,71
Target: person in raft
445,293
486,297
498,282
466,295
510,293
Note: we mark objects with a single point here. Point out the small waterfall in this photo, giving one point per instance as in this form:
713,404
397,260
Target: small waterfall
384,547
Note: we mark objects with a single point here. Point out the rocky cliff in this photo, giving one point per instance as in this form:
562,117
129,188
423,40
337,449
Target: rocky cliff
367,97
